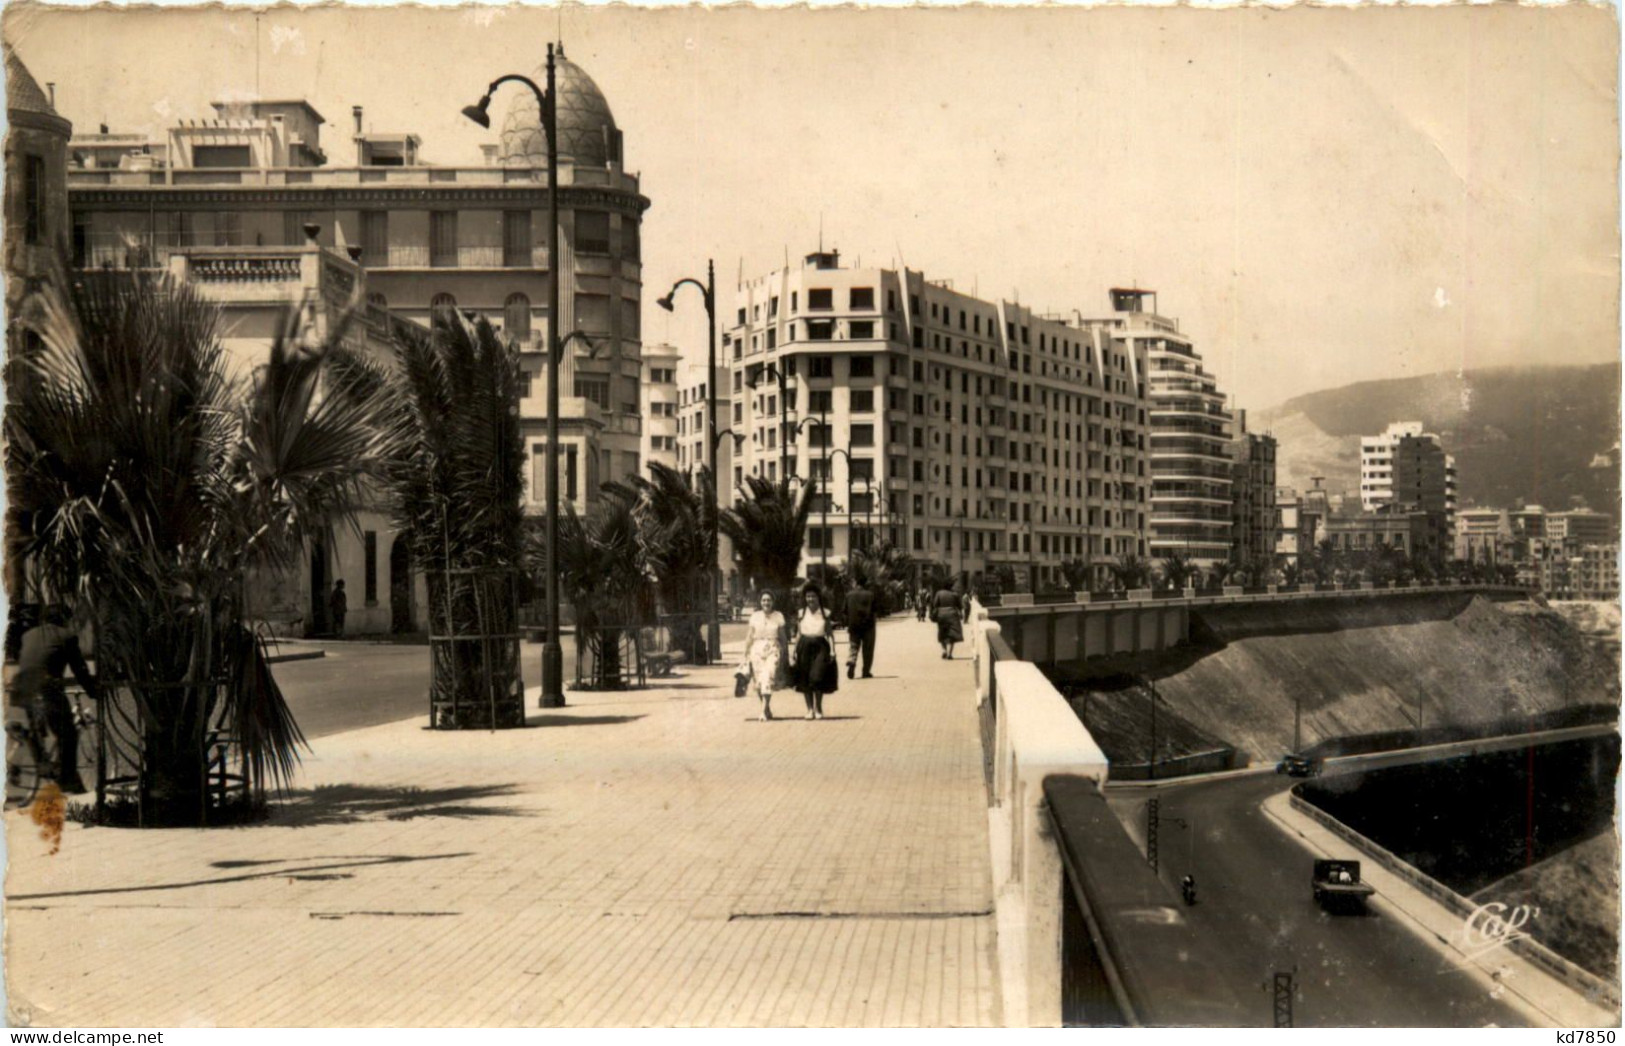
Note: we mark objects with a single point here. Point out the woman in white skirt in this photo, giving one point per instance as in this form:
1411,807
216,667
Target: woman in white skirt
764,649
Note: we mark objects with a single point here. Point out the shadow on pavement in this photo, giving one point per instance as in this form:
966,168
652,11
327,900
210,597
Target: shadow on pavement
348,804
581,720
290,868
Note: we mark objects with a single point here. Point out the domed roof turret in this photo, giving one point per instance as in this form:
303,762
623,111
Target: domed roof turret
587,133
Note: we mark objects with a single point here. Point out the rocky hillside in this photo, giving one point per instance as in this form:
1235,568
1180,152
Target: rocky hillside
1536,434
1577,892
1355,677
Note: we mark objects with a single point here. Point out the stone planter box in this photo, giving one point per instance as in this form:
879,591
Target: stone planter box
1139,593
1080,597
1232,590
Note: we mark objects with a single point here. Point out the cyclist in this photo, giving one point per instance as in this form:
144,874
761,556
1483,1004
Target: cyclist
48,650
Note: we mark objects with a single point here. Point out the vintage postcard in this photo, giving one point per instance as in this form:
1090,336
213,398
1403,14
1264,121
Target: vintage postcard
748,517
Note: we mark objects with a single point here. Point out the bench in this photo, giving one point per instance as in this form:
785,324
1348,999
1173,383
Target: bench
656,657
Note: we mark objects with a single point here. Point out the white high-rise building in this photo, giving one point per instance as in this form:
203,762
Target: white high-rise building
1379,460
975,434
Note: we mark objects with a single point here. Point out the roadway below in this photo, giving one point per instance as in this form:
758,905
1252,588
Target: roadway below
1254,903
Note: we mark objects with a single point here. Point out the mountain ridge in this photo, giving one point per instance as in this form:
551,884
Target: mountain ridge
1539,433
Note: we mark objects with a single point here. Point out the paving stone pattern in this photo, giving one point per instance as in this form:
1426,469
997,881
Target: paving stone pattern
644,858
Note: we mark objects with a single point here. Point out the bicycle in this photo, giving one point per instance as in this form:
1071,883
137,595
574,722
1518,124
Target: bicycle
24,775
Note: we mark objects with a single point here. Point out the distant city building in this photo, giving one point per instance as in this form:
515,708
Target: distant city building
661,365
1191,469
1298,523
976,434
1255,527
1580,527
1484,535
1412,531
1400,465
1594,573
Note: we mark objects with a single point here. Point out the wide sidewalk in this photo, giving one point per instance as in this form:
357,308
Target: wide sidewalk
651,857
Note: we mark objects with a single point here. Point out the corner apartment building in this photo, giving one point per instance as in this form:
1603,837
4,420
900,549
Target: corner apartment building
1255,523
469,237
1190,434
1409,466
1484,535
976,434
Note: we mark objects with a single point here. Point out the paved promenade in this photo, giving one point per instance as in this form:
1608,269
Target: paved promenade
643,858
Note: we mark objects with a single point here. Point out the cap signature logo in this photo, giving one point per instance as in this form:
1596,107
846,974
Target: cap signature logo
1495,925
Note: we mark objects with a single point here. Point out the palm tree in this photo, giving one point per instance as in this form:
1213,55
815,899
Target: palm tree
1077,574
883,568
674,536
456,485
1131,571
149,482
768,530
1291,573
606,574
1177,570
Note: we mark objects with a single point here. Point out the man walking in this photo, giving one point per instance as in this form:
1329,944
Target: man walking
860,628
337,604
50,650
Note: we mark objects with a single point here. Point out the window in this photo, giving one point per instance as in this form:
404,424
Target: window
820,401
821,367
443,238
516,317
862,366
861,330
820,330
592,232
180,229
631,244
228,229
863,401
516,239
538,472
862,436
442,304
861,298
221,156
375,238
863,468
595,389
821,539
820,299
369,541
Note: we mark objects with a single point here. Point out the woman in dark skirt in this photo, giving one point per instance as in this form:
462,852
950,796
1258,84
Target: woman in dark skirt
945,608
815,668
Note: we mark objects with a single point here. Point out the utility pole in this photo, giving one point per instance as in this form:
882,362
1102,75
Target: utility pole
1283,999
1153,823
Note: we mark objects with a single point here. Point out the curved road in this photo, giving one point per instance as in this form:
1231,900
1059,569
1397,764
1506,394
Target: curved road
1254,904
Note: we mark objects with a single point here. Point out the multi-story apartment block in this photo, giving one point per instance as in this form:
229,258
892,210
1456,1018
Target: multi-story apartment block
1399,466
468,237
1402,528
1255,524
1594,573
1580,527
661,364
1190,435
974,433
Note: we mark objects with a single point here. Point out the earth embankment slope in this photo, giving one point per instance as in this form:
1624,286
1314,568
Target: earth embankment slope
1387,665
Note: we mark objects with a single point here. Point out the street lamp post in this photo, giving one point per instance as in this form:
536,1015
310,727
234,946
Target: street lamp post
546,100
823,489
708,290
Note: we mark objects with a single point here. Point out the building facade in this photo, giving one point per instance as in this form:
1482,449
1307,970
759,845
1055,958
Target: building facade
1399,465
1255,523
432,237
1411,531
1484,535
1191,433
661,365
975,434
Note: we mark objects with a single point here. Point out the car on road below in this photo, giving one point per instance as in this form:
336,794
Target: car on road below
1337,885
1294,765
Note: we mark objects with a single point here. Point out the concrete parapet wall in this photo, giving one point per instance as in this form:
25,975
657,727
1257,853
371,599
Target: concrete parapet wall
1527,947
1036,734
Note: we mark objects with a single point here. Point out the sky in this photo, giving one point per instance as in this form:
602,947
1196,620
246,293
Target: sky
1319,195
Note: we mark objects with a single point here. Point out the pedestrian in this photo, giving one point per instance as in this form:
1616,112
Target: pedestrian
815,665
337,605
860,630
48,650
922,603
945,608
764,648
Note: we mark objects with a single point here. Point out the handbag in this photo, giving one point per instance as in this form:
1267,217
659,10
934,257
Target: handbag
829,680
741,680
